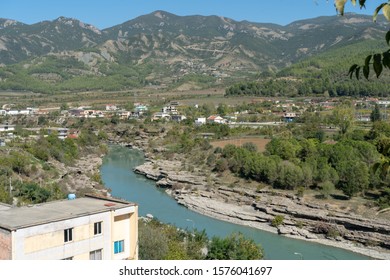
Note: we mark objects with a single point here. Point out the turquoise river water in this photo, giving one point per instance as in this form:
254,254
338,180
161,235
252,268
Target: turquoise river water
117,175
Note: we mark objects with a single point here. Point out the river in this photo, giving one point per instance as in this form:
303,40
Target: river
117,175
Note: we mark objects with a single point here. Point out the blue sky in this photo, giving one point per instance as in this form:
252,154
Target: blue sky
107,13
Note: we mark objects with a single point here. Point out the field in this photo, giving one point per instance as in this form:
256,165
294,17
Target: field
258,141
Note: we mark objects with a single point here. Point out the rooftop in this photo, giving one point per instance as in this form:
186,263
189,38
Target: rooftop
13,218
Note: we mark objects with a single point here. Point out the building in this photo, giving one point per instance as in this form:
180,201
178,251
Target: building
178,118
289,117
169,110
200,121
87,228
161,116
6,127
215,119
62,132
111,107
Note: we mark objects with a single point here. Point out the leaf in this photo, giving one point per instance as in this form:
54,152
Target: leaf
378,67
366,71
362,3
353,2
386,59
352,69
388,37
377,10
340,4
386,11
368,59
357,72
376,166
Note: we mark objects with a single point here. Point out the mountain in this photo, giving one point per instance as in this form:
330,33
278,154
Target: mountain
21,41
163,48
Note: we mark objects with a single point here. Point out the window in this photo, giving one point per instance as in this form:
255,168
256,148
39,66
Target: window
96,255
68,235
97,228
119,246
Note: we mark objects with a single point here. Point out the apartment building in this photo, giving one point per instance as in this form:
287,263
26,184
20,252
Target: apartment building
87,228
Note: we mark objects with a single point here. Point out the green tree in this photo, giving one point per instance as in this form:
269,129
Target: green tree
354,177
343,117
290,175
375,114
234,247
153,244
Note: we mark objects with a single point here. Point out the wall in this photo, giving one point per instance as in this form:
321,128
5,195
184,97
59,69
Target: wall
46,242
5,245
125,227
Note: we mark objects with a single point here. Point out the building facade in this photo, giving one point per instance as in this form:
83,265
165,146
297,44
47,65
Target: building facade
88,228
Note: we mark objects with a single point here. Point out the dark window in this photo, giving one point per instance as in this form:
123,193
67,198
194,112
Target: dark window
68,235
97,228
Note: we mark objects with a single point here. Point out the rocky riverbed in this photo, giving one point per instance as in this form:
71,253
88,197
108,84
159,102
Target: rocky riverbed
83,176
317,222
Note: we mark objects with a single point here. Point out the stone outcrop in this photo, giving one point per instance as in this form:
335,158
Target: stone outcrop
169,174
318,222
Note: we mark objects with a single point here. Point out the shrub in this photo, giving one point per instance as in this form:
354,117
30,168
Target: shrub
277,221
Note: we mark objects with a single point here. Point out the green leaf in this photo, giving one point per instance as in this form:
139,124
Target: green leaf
368,59
358,72
388,37
378,67
386,59
366,71
352,69
377,10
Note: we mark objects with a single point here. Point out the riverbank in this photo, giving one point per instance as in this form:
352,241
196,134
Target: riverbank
314,222
83,176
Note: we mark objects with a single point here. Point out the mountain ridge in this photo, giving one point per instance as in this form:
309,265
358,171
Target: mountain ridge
163,48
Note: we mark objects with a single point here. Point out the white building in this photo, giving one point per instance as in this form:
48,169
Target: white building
81,229
200,121
6,128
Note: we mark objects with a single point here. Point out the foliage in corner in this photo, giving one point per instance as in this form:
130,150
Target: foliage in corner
377,61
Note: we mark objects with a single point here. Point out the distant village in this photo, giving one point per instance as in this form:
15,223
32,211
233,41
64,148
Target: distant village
285,111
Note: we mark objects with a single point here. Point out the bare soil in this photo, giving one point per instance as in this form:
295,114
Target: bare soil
259,142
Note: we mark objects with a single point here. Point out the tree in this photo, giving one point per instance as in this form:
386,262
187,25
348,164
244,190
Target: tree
343,117
376,114
234,247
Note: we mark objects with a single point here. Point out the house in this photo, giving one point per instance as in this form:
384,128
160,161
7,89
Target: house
140,108
200,121
161,116
215,119
289,117
178,118
87,228
111,107
76,113
6,127
62,132
169,110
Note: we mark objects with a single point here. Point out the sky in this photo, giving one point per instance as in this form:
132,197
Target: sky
108,13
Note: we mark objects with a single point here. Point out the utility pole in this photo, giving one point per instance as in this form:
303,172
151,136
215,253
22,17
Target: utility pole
10,187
